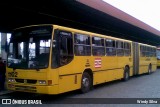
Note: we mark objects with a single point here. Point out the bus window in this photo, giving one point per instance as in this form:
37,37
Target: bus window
120,50
127,49
154,52
150,51
110,47
147,51
82,45
144,51
141,50
98,46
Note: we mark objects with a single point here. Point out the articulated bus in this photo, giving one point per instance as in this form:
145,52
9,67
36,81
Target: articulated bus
52,59
158,57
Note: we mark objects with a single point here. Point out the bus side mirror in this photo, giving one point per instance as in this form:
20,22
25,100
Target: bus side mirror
55,40
54,43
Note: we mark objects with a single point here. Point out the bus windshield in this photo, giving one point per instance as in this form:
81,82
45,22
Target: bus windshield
29,48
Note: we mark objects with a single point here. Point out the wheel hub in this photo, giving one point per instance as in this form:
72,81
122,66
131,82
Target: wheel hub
85,82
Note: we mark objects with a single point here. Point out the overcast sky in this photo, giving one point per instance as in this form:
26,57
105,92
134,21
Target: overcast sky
147,11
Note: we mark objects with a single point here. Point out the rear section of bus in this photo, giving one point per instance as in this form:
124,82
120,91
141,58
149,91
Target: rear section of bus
158,57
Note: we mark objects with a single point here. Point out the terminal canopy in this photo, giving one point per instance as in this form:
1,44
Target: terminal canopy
90,15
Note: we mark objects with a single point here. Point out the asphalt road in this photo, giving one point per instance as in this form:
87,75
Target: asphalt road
144,88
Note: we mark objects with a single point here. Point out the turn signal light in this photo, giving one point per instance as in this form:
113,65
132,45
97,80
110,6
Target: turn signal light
49,82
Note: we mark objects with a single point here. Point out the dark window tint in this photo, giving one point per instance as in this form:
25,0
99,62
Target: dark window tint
110,47
62,52
146,51
127,49
98,46
66,47
82,45
119,46
142,51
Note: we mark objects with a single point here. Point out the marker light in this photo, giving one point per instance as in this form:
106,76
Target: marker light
42,81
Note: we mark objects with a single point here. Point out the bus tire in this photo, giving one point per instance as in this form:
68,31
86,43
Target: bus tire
86,82
126,74
149,69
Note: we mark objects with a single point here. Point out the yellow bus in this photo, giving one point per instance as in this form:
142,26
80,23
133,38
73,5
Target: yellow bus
52,59
158,57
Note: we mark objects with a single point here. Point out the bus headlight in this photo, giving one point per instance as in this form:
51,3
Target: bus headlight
42,81
11,80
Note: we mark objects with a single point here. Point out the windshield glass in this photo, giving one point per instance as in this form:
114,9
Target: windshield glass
29,47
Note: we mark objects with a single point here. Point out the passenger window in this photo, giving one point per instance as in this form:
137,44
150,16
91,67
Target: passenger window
110,47
152,52
98,46
82,45
127,49
142,50
120,50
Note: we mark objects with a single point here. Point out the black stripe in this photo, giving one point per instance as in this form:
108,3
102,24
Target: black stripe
148,65
143,65
107,69
97,71
69,74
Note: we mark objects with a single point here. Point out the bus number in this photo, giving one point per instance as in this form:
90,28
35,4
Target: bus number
12,74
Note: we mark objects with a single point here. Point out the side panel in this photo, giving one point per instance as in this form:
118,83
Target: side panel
135,58
158,63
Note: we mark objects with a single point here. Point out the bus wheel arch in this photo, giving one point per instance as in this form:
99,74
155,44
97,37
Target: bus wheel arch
87,81
126,74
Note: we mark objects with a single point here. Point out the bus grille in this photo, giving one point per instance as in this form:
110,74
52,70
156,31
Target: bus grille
20,80
25,88
32,81
26,81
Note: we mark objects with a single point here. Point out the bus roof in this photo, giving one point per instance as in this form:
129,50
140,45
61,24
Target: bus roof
83,32
147,45
87,33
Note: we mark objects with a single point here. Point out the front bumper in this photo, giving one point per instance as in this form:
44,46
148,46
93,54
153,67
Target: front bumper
42,89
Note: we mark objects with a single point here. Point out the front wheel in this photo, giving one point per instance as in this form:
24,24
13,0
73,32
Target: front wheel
86,82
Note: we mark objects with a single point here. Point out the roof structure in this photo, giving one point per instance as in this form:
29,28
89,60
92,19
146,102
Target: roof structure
113,11
90,15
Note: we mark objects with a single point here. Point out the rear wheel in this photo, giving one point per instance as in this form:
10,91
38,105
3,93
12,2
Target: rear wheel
149,69
86,82
126,74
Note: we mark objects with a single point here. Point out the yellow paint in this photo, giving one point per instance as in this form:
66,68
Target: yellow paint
68,77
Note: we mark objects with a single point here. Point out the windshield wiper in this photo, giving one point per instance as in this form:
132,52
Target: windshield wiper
37,65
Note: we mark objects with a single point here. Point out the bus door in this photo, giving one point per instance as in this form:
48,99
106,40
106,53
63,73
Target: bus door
135,58
62,52
63,57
